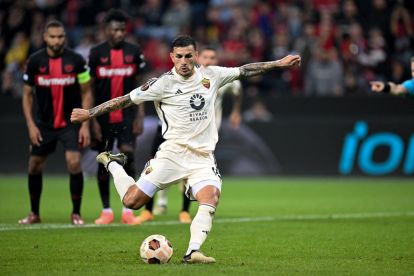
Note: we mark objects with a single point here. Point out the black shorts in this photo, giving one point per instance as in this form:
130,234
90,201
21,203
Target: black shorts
122,132
68,136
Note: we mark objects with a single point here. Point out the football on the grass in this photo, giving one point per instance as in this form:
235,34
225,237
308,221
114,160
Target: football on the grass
156,249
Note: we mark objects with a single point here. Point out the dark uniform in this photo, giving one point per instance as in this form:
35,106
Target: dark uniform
114,72
56,82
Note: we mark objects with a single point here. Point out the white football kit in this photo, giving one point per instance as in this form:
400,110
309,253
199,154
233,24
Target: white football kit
186,110
233,88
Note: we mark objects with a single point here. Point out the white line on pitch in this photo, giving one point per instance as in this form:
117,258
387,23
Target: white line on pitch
47,226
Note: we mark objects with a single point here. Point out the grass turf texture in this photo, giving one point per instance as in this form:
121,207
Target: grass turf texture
304,226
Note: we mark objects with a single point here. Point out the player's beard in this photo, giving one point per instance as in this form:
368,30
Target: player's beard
56,49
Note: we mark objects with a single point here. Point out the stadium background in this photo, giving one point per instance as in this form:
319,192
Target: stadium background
297,122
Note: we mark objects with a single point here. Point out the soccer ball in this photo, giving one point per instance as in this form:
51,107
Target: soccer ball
156,249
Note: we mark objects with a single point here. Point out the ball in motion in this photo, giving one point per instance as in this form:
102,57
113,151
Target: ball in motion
156,249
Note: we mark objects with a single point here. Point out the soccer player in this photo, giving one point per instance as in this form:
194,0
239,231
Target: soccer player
207,57
184,99
59,79
115,64
404,88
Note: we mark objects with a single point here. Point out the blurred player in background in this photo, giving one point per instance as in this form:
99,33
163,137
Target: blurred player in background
59,79
404,88
207,57
184,99
115,65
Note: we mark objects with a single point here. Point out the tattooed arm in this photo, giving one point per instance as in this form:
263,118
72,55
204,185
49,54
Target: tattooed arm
259,68
80,115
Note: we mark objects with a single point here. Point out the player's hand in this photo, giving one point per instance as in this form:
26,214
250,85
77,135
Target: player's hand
289,61
377,86
35,135
84,139
97,131
138,126
235,119
79,115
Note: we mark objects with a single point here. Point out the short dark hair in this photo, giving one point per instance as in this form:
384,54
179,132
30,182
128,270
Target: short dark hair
53,24
115,15
208,48
183,41
412,59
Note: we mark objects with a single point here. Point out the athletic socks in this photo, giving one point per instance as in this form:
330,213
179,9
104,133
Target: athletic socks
150,205
103,185
122,180
35,190
200,226
76,189
186,203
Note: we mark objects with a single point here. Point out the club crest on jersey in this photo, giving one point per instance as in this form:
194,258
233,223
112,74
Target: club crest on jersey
104,59
206,83
129,58
42,69
68,68
197,102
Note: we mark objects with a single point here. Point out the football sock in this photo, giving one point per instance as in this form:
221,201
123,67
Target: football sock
186,203
122,181
162,199
130,164
149,205
125,209
103,185
76,189
35,190
201,226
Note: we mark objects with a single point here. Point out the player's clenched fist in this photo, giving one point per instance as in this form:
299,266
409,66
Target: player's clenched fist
79,115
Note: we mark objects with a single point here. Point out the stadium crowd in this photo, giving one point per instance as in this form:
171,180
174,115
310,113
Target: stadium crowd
344,44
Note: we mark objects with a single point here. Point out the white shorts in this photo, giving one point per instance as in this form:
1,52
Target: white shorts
174,163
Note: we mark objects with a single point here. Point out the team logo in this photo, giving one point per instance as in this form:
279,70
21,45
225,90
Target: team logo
206,83
68,68
197,102
129,58
104,59
42,69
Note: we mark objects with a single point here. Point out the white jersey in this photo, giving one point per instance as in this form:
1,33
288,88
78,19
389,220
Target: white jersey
186,106
234,88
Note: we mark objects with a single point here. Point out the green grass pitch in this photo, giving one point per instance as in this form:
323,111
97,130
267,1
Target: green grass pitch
263,226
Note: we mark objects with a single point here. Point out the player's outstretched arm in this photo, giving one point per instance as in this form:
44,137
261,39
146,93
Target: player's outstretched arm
80,115
389,87
259,68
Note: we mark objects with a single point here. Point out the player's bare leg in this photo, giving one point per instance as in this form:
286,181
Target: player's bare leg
208,198
131,196
36,165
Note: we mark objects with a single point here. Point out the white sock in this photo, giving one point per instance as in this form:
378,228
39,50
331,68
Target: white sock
127,210
200,226
122,181
162,199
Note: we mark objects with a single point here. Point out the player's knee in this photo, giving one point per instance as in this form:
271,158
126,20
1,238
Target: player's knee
210,196
131,202
35,166
73,166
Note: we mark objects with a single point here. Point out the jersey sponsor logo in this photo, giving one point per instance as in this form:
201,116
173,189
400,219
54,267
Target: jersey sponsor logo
52,81
197,102
68,68
108,72
206,83
42,69
129,58
104,59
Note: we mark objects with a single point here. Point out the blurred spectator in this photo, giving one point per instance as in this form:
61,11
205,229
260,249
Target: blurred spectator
324,74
